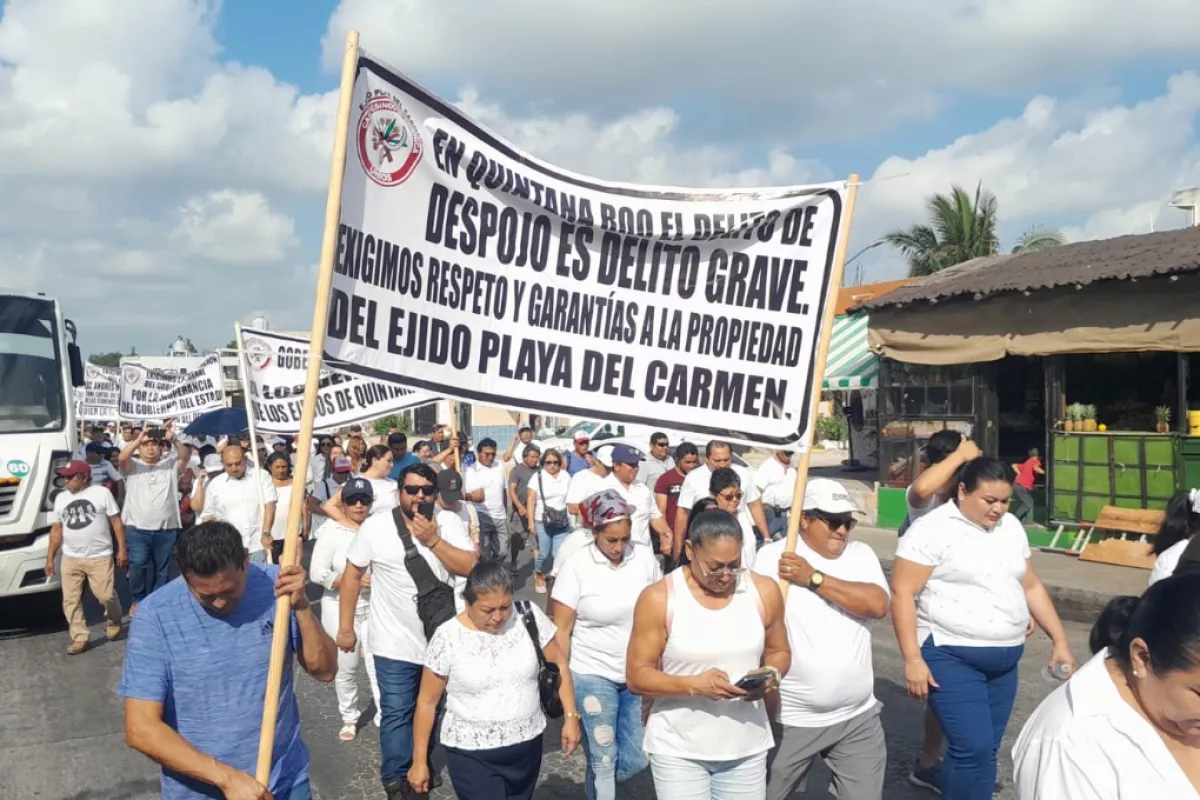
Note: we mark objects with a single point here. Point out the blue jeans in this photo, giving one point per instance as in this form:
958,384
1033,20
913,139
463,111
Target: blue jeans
694,779
549,540
149,559
977,688
399,682
301,791
612,734
258,557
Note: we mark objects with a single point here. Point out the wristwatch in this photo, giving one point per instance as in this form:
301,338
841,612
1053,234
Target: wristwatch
816,580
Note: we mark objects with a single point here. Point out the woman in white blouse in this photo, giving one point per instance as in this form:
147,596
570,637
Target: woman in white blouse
1127,725
377,463
1181,523
963,588
328,563
280,468
486,664
592,605
548,490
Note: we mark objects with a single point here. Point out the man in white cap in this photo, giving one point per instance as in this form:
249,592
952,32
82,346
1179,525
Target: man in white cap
827,705
577,461
594,479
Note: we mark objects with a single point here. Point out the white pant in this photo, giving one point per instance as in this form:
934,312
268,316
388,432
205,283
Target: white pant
692,779
346,682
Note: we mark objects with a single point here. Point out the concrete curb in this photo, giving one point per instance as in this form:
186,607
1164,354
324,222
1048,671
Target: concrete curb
1073,605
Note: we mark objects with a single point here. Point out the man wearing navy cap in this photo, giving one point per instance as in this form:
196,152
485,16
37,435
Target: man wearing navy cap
643,510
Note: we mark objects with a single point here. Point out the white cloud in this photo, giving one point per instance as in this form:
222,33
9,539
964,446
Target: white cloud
234,228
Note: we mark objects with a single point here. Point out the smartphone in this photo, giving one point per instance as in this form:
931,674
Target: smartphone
754,681
425,510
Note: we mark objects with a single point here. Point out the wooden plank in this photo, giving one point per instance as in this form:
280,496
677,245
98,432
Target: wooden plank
1121,552
1130,520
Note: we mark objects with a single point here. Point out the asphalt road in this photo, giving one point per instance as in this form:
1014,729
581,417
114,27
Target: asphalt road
61,727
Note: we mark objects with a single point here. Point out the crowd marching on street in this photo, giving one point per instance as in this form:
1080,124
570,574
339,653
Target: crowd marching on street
665,642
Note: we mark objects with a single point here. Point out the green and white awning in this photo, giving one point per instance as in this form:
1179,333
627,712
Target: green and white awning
851,364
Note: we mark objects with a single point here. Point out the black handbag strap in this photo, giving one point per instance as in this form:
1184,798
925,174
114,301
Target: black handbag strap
418,568
531,627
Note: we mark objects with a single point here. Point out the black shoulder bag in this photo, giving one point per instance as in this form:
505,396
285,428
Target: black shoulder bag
435,599
549,679
552,517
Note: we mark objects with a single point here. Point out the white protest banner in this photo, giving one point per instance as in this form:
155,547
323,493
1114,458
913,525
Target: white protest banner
469,269
152,394
100,396
277,367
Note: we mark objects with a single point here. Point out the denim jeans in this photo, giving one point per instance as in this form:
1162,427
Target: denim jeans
977,688
258,557
548,542
692,779
612,734
399,682
149,559
301,791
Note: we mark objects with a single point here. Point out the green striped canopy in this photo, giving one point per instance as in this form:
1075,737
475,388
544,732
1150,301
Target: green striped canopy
851,364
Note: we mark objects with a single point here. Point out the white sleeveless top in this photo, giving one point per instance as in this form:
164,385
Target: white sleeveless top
700,639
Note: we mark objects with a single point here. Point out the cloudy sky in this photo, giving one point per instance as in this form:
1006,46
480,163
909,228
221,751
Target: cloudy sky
164,161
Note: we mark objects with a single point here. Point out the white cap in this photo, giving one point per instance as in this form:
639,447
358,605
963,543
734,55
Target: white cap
212,463
825,494
274,441
605,456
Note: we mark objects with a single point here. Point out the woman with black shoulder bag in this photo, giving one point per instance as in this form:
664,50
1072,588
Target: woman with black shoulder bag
548,514
500,685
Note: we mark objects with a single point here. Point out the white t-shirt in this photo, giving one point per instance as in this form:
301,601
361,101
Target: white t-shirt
556,488
386,493
84,516
695,488
576,540
585,484
652,469
916,512
974,596
643,509
321,492
456,523
283,499
1085,742
237,502
831,678
602,597
776,483
1167,561
491,681
329,561
152,495
491,480
104,471
395,630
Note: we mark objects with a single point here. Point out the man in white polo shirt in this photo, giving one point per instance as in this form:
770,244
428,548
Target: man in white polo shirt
643,510
827,702
486,489
775,479
717,454
233,497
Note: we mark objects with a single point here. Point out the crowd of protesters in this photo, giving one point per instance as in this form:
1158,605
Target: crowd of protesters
666,643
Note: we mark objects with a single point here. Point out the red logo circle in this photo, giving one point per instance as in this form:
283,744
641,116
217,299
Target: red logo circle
389,144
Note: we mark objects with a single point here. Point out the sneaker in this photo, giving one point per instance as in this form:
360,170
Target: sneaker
348,732
76,647
927,777
539,583
399,789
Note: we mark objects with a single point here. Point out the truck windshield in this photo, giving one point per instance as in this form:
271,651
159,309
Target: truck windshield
31,380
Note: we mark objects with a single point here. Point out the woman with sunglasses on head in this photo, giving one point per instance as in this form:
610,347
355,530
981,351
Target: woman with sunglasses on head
328,564
963,589
706,627
827,707
725,487
280,468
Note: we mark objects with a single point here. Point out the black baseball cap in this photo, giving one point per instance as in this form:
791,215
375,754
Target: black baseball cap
358,487
449,485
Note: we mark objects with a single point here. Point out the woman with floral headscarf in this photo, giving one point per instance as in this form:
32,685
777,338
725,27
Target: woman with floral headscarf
592,606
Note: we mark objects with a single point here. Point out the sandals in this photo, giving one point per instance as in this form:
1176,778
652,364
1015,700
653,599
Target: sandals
348,732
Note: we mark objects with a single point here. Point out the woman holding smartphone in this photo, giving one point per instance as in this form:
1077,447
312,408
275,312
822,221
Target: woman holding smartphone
708,643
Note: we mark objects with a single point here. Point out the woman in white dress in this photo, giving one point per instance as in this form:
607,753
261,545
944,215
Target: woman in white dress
280,468
1126,726
485,662
1181,523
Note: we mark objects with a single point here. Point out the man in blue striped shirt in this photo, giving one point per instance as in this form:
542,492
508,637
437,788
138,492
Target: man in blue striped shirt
196,665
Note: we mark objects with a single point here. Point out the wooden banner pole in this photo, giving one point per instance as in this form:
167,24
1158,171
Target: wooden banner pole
835,284
243,376
308,413
454,437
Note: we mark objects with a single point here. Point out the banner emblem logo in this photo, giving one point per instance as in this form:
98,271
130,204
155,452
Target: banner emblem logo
258,353
389,144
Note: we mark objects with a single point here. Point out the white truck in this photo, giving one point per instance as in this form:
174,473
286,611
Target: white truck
39,366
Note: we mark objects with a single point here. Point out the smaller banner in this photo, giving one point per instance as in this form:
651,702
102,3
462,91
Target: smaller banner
276,369
99,399
151,394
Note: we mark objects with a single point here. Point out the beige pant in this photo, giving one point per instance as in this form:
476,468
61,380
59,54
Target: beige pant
98,572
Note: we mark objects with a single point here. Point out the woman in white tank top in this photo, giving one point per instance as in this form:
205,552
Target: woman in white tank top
696,633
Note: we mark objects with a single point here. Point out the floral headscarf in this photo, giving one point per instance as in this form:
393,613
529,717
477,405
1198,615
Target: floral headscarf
602,508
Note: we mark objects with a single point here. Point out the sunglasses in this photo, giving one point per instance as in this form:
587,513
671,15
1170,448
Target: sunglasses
731,497
834,521
358,501
413,491
550,461
658,444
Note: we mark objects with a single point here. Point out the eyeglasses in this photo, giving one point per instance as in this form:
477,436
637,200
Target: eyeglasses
720,571
551,462
658,444
834,521
359,501
730,497
413,491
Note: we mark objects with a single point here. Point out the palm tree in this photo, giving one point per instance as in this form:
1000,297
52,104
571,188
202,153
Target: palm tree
961,227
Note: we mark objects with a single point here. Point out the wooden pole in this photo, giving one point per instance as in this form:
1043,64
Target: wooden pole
308,413
454,437
835,283
249,397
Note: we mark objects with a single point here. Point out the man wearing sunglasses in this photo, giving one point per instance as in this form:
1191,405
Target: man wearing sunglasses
394,629
827,705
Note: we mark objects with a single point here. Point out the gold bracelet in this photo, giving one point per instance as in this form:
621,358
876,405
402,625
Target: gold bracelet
572,715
